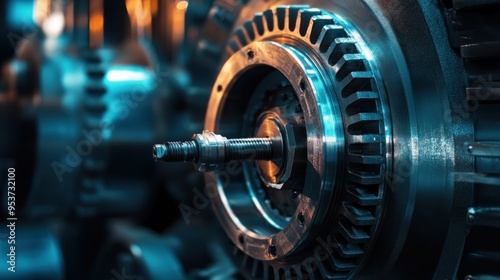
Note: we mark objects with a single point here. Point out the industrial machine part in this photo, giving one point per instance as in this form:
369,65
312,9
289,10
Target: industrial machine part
81,103
393,165
138,253
178,253
79,98
344,139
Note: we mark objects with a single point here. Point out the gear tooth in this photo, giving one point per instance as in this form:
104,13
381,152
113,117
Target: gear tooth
280,16
366,126
292,16
246,261
349,63
269,20
304,19
352,233
232,46
328,35
249,30
92,57
336,266
365,177
361,105
365,159
361,95
238,254
356,81
95,106
365,150
95,71
240,37
91,121
296,272
342,265
364,123
364,195
316,26
288,274
357,215
323,269
258,24
95,88
268,272
229,49
346,249
340,47
276,273
363,117
311,272
257,268
362,102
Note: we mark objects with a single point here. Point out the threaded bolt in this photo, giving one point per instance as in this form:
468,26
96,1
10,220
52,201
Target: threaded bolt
177,151
248,149
208,150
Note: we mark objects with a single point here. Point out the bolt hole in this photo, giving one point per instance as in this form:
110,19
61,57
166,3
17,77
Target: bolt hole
241,239
219,88
301,219
250,54
272,250
302,85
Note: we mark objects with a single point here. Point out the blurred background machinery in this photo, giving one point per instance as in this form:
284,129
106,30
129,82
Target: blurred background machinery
336,139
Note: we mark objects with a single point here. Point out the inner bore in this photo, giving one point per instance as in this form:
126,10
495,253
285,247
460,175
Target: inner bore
253,93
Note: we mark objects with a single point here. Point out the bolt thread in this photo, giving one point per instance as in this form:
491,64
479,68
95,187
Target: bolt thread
249,149
181,151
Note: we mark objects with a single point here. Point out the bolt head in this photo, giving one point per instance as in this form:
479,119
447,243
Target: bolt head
159,152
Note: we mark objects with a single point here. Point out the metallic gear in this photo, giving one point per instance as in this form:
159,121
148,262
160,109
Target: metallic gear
473,32
116,102
336,102
405,162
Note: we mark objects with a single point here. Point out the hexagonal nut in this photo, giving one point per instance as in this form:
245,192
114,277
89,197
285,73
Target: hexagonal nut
292,173
211,147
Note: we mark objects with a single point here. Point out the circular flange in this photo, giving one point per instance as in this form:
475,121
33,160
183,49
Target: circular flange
278,238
